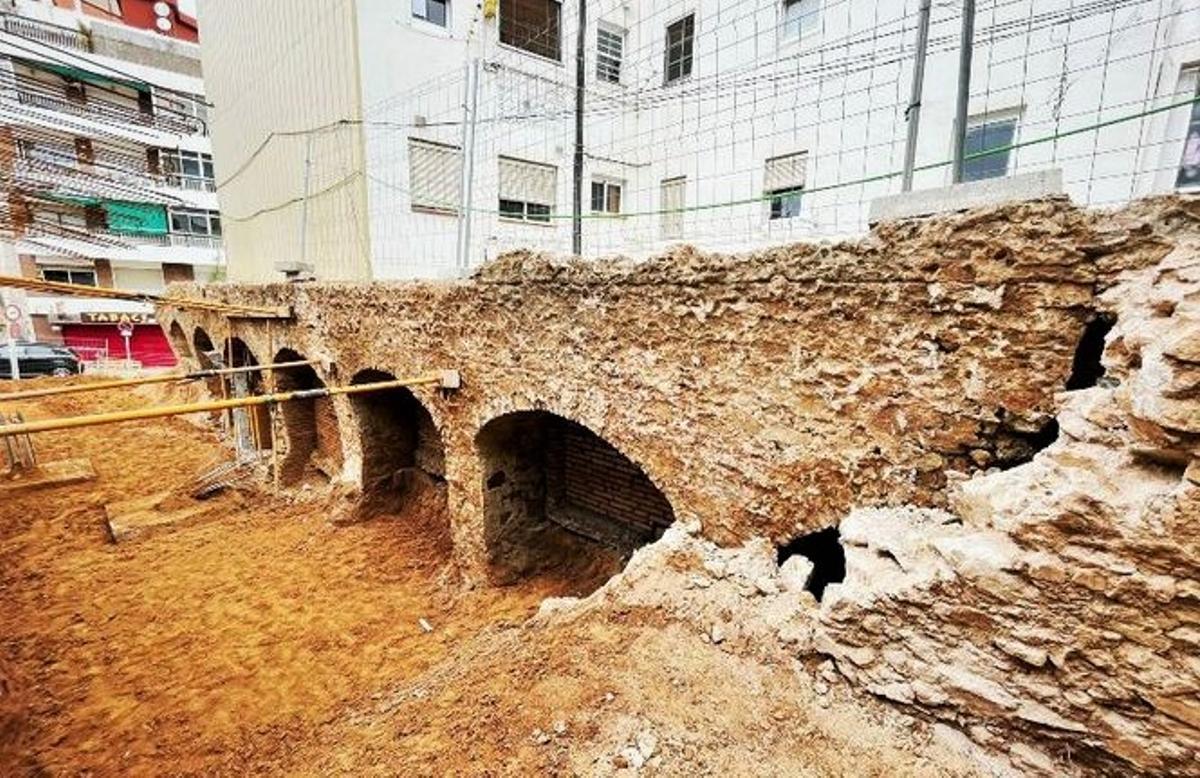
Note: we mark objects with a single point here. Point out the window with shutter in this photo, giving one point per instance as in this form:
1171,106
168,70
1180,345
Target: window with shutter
434,175
610,45
527,189
532,25
784,183
672,197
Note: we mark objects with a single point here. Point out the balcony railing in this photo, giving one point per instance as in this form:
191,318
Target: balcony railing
192,183
44,32
41,94
176,239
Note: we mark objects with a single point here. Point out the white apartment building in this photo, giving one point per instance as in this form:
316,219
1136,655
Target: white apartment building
107,167
365,149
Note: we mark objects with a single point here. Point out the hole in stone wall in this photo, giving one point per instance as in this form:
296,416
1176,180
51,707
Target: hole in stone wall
560,499
403,459
824,549
1086,367
311,444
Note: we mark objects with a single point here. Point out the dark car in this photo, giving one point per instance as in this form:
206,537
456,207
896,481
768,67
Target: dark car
35,359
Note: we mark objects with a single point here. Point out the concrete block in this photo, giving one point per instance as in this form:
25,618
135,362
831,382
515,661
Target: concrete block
972,194
144,515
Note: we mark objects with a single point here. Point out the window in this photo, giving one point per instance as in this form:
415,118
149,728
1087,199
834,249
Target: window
527,190
190,109
70,275
434,175
188,169
75,91
532,25
606,197
195,221
610,44
47,152
62,221
784,184
679,48
432,11
982,136
800,18
1189,164
672,197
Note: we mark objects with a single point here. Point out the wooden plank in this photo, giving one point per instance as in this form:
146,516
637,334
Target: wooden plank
48,475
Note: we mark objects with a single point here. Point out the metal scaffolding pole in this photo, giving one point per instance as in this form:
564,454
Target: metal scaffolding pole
447,379
124,383
966,49
914,103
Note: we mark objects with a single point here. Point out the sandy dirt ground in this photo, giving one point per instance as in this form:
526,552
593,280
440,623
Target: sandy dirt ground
262,639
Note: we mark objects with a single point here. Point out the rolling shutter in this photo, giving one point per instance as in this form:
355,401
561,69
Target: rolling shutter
434,175
786,172
527,182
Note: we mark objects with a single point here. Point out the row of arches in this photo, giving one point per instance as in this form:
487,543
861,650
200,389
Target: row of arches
557,499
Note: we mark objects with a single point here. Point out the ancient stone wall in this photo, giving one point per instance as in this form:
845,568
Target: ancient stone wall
1042,608
762,394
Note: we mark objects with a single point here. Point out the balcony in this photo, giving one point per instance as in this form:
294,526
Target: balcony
119,110
45,32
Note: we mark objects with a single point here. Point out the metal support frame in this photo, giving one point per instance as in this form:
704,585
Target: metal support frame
914,103
580,83
965,51
467,184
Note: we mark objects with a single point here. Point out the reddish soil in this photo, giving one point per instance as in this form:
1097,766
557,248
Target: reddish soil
262,639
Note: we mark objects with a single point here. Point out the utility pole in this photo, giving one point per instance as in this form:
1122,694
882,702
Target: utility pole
580,63
914,102
964,87
467,185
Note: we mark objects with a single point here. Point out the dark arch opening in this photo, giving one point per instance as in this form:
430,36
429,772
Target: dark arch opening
256,431
403,458
179,342
311,444
206,353
557,497
1086,367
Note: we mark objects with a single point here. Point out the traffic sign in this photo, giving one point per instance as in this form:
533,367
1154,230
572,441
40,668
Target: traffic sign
13,312
125,328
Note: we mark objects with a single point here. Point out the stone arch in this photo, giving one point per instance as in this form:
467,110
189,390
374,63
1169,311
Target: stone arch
403,455
557,495
311,441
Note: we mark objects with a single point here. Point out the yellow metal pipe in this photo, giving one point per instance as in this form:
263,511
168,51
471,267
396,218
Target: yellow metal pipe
100,386
82,290
116,417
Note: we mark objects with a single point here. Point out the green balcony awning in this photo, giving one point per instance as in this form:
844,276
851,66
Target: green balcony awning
78,74
135,218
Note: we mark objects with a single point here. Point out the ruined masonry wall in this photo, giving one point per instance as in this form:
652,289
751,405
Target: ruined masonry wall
763,394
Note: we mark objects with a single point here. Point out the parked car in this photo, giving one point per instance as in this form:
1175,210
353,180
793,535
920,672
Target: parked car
37,359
